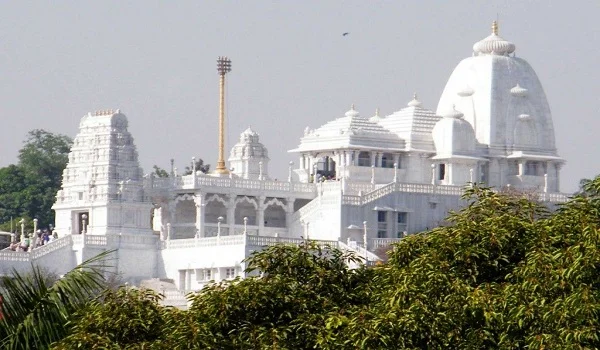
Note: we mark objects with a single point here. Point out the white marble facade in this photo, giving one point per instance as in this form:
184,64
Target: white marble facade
359,182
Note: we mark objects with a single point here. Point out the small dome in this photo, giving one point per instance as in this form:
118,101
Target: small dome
414,102
494,44
376,117
249,136
465,92
452,135
519,91
352,112
454,114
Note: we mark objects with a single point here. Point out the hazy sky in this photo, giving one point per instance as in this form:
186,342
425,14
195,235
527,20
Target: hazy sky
292,67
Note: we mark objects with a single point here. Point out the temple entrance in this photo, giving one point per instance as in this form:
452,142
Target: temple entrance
83,221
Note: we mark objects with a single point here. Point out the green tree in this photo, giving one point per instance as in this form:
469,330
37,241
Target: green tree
160,172
35,309
118,319
200,166
505,272
28,189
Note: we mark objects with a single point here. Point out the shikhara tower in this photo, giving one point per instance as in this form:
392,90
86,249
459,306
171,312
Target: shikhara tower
502,99
360,182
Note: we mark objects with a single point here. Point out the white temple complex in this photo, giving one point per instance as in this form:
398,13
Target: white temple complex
360,182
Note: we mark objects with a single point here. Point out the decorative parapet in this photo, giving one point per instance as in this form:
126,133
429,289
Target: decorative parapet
202,181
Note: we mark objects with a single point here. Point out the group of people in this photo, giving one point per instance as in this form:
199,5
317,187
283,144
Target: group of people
28,242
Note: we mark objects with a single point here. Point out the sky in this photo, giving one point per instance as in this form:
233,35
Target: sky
291,68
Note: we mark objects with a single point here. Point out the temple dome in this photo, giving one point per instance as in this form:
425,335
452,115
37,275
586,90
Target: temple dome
494,44
249,158
486,88
376,118
453,135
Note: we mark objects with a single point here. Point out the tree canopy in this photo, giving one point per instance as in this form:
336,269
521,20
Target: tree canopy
505,272
28,188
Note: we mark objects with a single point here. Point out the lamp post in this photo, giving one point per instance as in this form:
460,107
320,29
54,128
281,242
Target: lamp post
471,176
365,241
220,219
223,67
22,222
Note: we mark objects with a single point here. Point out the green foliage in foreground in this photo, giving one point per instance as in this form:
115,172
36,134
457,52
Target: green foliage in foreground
35,309
506,273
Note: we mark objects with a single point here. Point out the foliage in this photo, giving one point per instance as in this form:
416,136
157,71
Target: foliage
118,319
505,272
283,307
35,309
200,166
160,172
28,189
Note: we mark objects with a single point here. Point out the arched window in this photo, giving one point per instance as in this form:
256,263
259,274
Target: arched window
274,216
245,209
185,212
364,159
214,209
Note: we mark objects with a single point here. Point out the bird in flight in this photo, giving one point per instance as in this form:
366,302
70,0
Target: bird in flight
346,33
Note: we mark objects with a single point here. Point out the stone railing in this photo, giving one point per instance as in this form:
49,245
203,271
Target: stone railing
203,242
36,252
401,187
14,256
175,298
359,249
554,197
187,182
375,243
309,209
51,246
247,240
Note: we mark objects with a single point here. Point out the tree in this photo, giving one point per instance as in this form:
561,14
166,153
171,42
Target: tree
160,172
28,189
122,318
200,166
35,309
505,272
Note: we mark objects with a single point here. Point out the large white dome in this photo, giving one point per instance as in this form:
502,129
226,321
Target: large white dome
493,89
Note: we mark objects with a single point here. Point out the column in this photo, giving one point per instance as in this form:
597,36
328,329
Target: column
261,215
199,201
230,216
397,160
521,167
172,215
289,210
379,159
373,158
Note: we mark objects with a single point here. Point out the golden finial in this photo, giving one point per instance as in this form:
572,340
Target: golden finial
377,111
495,28
415,96
352,106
